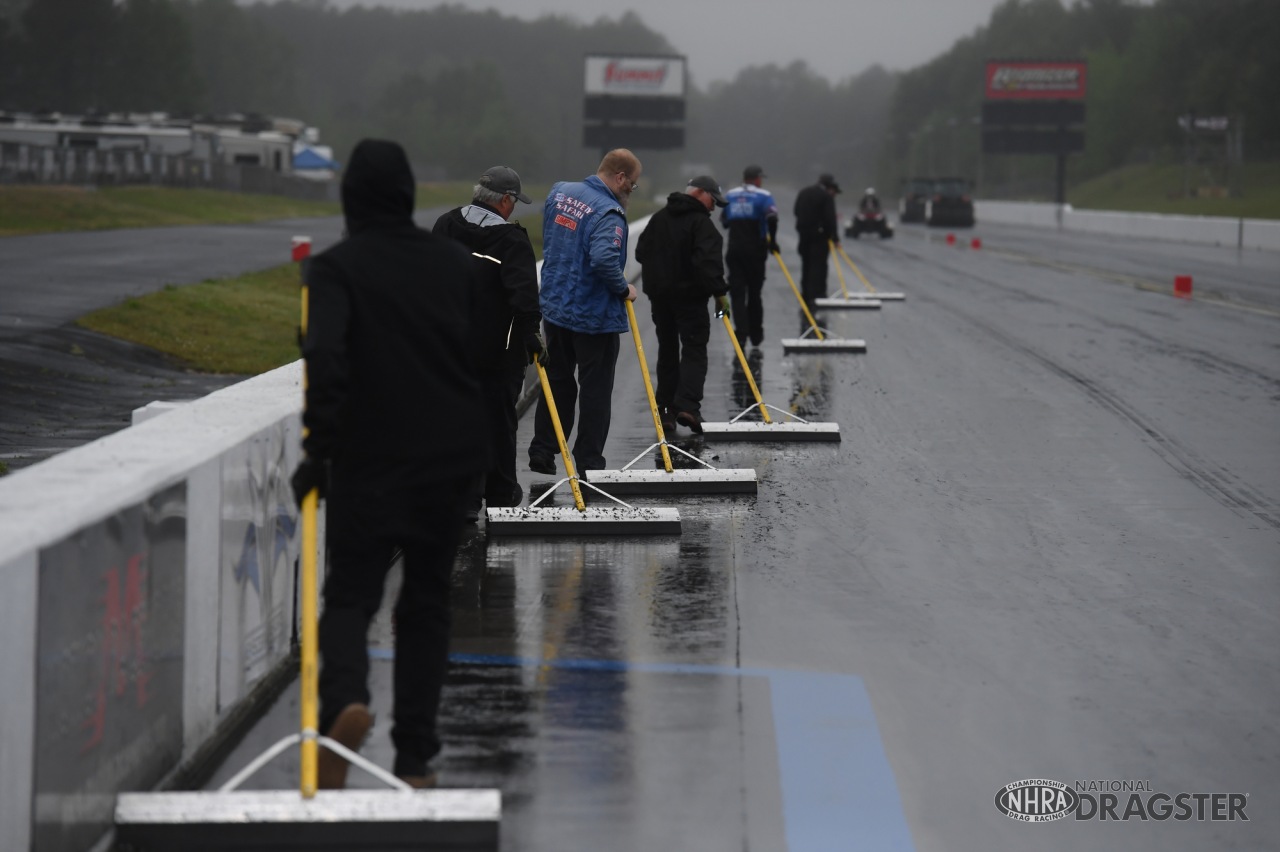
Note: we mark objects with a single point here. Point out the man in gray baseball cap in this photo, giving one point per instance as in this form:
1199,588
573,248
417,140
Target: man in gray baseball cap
504,180
506,332
708,185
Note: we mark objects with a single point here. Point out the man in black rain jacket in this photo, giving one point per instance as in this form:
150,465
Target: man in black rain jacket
682,266
390,375
815,211
506,332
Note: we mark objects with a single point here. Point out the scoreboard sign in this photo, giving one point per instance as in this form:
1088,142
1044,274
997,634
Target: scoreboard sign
633,102
1035,107
1025,80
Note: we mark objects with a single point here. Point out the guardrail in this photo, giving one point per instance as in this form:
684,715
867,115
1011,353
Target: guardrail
148,585
1253,234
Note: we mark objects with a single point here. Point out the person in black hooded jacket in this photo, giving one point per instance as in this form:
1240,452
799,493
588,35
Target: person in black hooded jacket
815,211
506,334
390,373
681,254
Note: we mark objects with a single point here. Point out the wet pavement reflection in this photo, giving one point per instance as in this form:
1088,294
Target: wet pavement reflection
549,700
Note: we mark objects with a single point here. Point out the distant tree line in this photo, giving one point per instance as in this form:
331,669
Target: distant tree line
464,90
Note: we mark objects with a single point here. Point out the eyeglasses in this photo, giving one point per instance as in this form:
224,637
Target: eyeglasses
633,184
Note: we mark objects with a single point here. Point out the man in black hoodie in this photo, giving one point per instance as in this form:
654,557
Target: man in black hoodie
681,254
389,375
506,335
815,211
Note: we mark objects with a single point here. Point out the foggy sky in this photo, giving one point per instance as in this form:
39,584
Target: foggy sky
837,38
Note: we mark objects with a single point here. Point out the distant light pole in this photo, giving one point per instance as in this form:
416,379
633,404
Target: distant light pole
976,121
951,143
927,133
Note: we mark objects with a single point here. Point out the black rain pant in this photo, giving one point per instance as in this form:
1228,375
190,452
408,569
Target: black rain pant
683,326
593,357
746,287
814,252
374,507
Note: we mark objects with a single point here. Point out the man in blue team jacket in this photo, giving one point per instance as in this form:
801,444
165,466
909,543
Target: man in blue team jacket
752,220
584,250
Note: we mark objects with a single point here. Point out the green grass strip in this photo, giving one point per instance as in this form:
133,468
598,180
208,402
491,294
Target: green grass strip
47,209
1161,189
245,325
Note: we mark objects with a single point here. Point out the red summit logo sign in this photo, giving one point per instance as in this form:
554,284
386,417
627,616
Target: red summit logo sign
1008,80
635,76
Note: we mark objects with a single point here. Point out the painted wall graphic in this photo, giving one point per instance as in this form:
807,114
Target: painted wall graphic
110,667
259,549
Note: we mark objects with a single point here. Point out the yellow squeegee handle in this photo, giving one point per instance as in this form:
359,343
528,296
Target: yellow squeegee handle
648,386
813,323
858,272
310,646
564,447
835,261
746,368
309,677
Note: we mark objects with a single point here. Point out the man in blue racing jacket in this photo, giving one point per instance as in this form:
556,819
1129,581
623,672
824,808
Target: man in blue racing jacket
584,250
752,219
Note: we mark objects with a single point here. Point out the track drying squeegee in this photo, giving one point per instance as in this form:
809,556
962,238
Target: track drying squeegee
766,429
579,519
821,341
702,480
871,293
847,301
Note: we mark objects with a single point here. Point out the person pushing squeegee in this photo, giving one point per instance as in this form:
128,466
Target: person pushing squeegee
794,428
871,297
578,519
820,342
398,817
704,480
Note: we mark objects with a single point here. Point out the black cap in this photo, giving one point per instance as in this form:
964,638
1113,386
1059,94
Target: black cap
505,180
708,184
828,181
753,172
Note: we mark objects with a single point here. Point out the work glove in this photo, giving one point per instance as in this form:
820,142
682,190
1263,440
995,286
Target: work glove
536,348
774,247
722,306
311,473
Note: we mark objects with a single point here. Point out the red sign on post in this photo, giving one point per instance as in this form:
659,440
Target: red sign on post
1019,80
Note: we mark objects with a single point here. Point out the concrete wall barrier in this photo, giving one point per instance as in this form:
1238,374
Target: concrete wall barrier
1016,213
1260,234
1253,234
148,587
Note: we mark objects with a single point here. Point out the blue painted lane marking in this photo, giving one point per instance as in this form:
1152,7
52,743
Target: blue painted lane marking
838,790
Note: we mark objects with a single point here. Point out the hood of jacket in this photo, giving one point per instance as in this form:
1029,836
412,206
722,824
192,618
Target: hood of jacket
475,227
681,204
377,187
